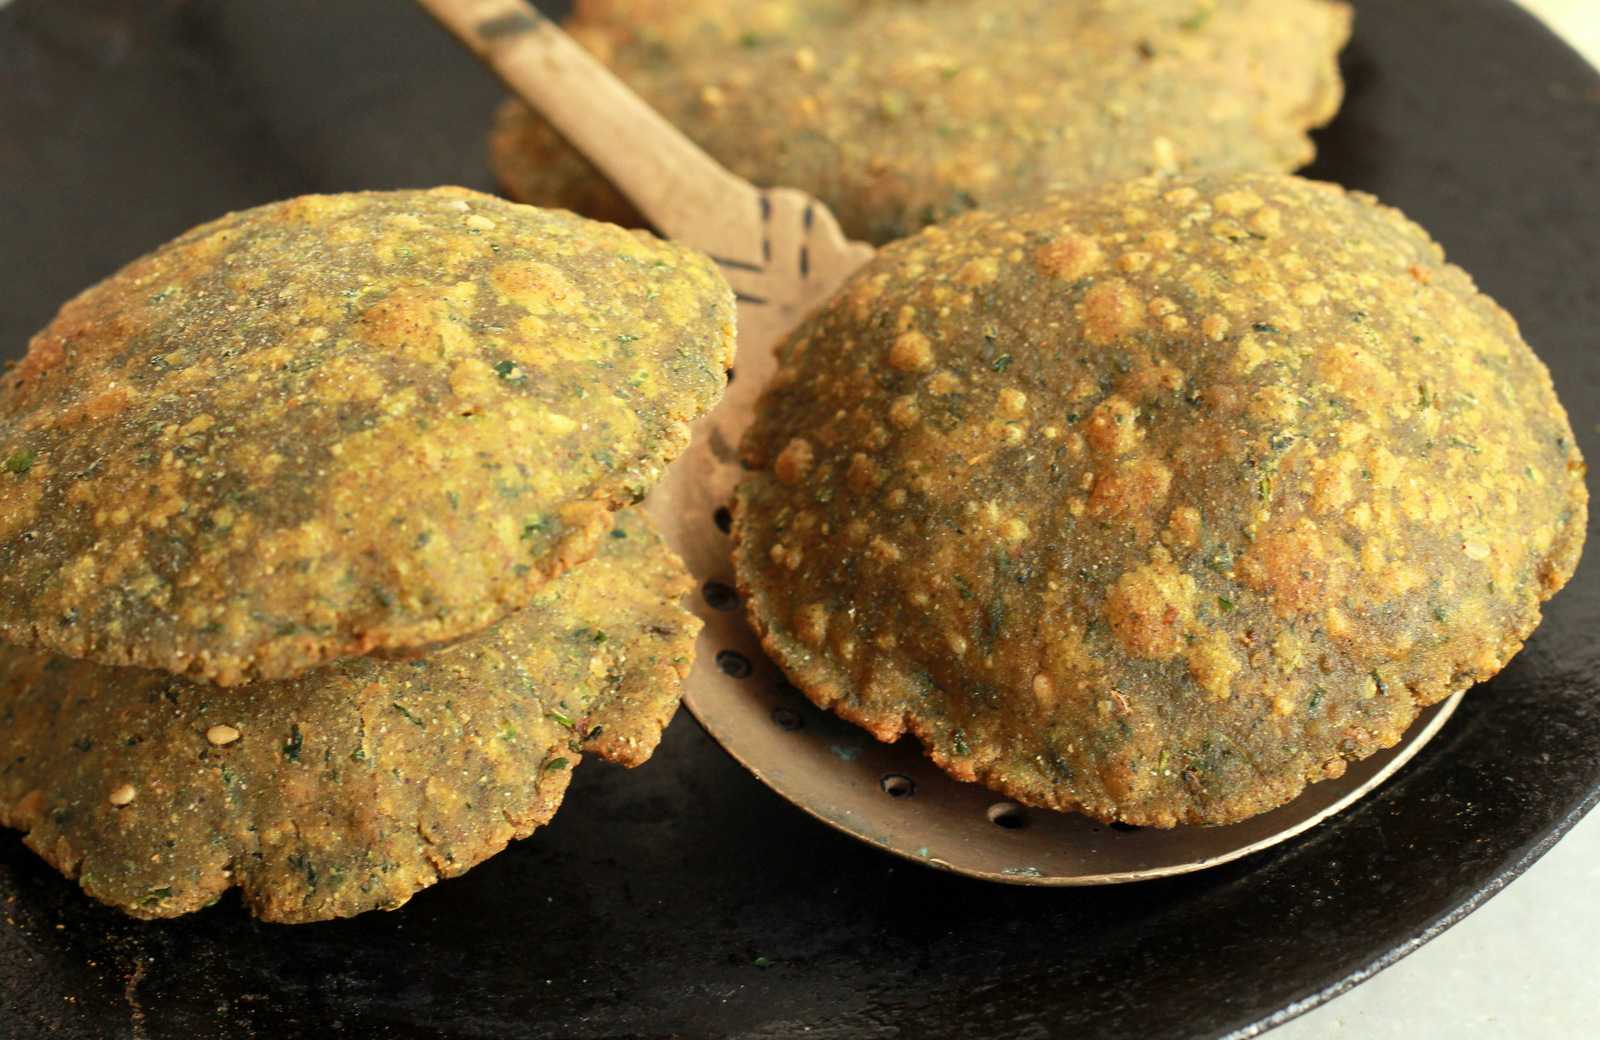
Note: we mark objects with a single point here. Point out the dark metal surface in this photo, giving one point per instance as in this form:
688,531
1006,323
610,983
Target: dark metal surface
685,898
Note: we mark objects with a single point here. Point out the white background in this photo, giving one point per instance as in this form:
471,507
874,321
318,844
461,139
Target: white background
1527,965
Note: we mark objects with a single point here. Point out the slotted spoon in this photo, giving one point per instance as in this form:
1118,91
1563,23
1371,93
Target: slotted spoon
784,253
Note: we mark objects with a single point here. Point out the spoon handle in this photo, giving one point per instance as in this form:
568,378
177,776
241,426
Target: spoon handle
684,192
777,247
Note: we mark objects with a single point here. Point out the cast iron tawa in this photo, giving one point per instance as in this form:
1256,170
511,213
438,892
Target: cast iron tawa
683,898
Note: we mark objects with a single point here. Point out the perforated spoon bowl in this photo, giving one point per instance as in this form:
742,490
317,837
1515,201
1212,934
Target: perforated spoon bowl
784,254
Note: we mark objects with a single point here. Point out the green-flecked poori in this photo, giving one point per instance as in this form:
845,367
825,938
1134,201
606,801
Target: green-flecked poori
342,424
901,113
1157,501
351,787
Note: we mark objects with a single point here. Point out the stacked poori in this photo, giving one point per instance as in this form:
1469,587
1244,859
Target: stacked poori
1158,500
903,113
315,583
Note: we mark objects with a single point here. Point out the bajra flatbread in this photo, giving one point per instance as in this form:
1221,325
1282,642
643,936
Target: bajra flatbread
353,786
342,424
1157,501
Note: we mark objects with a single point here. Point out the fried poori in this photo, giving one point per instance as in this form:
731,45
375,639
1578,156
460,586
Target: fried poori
354,786
342,424
1157,501
902,113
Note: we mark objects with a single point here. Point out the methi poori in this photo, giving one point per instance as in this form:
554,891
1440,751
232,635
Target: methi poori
903,113
353,786
1156,501
342,424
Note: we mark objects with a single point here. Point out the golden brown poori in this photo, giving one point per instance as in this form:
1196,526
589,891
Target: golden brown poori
353,786
903,113
1156,501
342,424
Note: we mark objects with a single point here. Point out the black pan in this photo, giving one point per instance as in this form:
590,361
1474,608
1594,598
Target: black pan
685,899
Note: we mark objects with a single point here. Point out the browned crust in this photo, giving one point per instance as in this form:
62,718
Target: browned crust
341,424
355,786
1033,489
533,164
902,114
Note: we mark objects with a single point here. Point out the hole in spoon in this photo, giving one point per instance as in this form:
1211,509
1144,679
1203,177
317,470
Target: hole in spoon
1008,815
720,595
897,785
733,664
723,518
787,719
